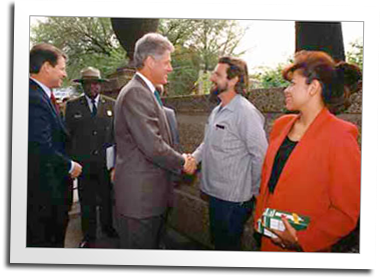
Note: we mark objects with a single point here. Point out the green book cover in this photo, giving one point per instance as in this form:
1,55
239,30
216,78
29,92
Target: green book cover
271,218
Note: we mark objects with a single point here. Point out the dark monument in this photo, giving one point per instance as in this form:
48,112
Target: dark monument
321,36
128,31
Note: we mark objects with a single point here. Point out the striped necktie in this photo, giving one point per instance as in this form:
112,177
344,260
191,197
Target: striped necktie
157,95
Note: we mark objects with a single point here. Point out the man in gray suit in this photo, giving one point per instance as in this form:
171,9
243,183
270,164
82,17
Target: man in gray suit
145,158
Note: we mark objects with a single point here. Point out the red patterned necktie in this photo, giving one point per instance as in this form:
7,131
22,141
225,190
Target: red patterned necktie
54,101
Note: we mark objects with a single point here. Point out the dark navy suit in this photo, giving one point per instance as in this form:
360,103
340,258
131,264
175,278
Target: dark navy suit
48,173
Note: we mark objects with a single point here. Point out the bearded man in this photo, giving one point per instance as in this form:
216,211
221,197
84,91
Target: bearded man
232,154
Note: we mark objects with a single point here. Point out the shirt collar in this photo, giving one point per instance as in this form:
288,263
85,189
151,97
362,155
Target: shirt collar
146,80
44,88
89,100
233,103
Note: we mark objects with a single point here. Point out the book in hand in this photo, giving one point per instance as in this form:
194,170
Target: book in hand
271,218
110,157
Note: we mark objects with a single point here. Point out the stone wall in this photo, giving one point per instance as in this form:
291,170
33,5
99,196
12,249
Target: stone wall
189,215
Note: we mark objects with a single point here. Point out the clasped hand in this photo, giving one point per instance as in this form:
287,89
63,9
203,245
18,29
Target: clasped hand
286,239
190,164
77,170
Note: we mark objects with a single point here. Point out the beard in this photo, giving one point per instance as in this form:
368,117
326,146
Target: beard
218,89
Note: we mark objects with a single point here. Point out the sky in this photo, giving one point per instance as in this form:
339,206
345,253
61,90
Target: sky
268,43
14,122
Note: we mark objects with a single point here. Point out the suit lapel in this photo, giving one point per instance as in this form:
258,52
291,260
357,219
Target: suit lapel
276,143
101,107
85,108
160,109
304,146
51,106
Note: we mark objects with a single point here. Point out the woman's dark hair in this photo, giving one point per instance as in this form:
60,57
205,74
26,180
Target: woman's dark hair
338,80
237,68
41,53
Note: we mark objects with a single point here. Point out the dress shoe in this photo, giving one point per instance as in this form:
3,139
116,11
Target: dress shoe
84,244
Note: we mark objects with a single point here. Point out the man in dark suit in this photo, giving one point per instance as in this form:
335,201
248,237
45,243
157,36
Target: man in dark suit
89,120
145,158
49,168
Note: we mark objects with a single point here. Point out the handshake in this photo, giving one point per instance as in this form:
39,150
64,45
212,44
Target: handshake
190,164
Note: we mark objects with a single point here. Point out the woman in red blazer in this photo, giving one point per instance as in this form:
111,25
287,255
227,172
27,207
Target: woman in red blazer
312,165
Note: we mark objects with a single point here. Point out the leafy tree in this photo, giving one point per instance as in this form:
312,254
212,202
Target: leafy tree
215,38
88,41
355,54
269,77
186,66
272,77
199,43
266,77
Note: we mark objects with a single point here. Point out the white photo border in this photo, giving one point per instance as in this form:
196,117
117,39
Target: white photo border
212,9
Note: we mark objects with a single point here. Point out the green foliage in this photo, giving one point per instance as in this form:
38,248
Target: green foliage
265,77
199,43
88,41
355,54
186,65
271,77
203,83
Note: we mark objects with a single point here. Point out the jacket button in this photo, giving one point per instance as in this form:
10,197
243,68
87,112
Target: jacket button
95,152
94,132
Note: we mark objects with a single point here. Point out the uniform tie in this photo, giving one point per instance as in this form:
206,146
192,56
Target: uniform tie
94,109
54,102
157,95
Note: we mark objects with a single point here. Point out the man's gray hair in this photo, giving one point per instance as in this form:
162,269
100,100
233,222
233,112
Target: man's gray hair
151,44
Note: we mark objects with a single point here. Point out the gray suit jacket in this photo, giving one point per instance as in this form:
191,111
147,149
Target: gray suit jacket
145,158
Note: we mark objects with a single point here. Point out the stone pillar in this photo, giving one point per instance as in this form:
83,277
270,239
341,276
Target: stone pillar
117,81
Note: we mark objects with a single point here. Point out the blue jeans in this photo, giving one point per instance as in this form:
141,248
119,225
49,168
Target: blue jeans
227,220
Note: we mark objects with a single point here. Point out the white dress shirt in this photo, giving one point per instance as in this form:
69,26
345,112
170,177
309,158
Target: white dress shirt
146,80
89,102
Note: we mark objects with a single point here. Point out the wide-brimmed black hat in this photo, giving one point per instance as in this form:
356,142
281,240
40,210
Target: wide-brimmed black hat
90,74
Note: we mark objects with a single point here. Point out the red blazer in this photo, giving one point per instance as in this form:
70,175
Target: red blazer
321,179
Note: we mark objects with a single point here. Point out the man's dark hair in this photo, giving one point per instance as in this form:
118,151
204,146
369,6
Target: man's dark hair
42,53
237,68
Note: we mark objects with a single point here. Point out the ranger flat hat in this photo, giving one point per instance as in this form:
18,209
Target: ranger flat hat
90,74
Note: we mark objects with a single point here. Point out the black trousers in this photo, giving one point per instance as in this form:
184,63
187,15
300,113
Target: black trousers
47,211
94,188
46,225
